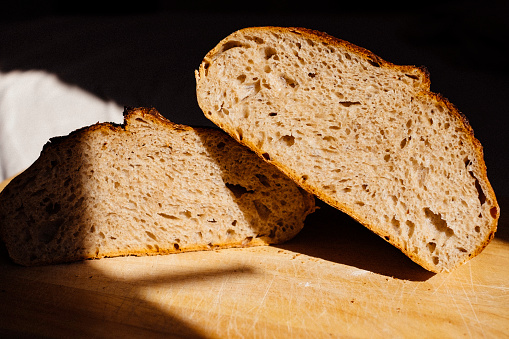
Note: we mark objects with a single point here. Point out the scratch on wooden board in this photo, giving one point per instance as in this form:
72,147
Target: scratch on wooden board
444,280
260,305
219,295
470,302
502,288
452,297
267,291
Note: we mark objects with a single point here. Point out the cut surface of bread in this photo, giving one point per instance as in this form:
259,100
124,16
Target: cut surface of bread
366,136
148,186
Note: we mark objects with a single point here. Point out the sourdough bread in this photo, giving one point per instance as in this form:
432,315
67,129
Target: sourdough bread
366,136
148,186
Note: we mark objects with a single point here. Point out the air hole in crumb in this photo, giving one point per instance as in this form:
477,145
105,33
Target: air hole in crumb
304,177
263,180
481,196
431,247
263,211
288,140
289,81
241,78
272,114
349,103
269,52
234,223
167,216
435,260
374,63
151,235
266,156
493,212
231,44
187,214
176,246
311,75
53,208
437,221
403,143
238,190
477,229
141,120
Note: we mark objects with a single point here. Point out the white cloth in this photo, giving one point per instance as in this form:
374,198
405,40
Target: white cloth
36,106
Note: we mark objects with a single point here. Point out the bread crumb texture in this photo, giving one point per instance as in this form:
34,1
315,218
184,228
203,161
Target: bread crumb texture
366,136
146,187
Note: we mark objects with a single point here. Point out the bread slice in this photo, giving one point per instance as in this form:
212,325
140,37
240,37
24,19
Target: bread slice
366,136
148,186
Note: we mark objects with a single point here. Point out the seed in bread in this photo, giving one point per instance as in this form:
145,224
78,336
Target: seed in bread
364,135
148,186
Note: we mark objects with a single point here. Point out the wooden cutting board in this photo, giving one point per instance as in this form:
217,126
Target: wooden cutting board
335,279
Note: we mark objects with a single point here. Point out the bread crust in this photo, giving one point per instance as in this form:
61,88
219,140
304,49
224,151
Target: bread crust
11,233
423,91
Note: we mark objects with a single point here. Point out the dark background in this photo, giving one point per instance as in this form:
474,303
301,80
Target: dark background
145,53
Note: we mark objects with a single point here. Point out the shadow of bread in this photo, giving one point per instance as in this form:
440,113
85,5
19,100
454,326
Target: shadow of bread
333,236
272,205
100,298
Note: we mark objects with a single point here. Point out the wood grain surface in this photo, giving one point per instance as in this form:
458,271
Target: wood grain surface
335,279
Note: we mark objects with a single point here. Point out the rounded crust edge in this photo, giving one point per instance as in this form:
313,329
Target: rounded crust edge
425,91
155,117
323,37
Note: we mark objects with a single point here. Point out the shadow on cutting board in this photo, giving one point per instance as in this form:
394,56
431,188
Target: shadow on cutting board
332,235
64,300
76,299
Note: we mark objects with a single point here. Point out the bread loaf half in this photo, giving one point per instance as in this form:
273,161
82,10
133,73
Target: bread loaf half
364,135
148,186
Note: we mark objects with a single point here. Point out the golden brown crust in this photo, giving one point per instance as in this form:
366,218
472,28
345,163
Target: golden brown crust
423,90
10,231
147,252
419,72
